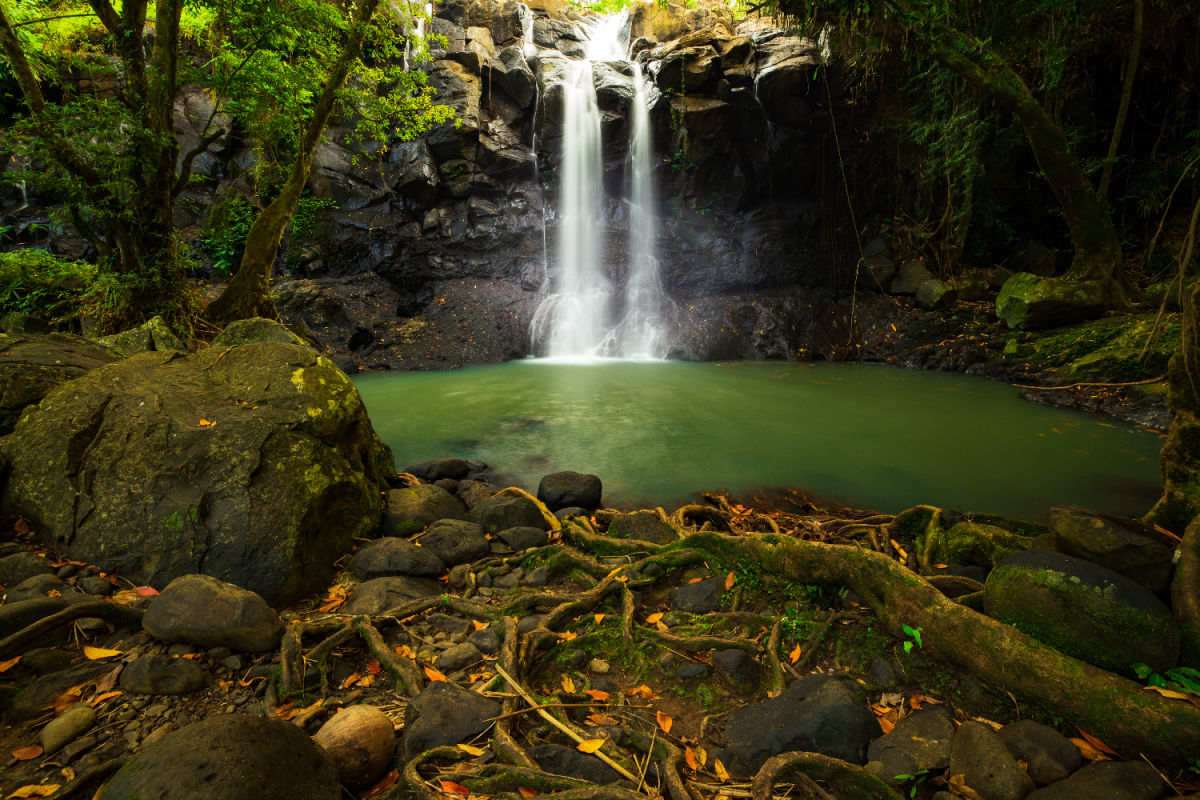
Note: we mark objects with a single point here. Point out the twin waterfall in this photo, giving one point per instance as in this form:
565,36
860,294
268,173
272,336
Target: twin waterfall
585,313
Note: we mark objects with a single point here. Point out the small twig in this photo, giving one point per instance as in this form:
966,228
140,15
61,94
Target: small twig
562,727
1080,385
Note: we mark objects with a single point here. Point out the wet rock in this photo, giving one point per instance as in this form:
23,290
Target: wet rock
202,610
231,756
1048,755
392,555
511,74
692,670
453,468
458,657
979,755
66,728
43,660
39,586
31,365
413,509
455,541
935,295
1110,780
19,567
911,276
95,585
816,714
919,742
256,329
153,335
486,641
501,512
360,740
785,77
1123,546
882,674
473,492
449,624
737,667
242,491
644,526
701,597
153,674
568,761
383,594
443,713
34,698
561,490
1028,302
523,538
538,576
1083,609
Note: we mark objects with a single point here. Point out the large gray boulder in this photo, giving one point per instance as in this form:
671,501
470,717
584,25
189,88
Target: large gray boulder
1121,545
1083,610
199,609
255,464
32,364
1028,302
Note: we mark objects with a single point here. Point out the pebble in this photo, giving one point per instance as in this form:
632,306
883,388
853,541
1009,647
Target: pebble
94,585
68,571
598,666
156,734
537,576
66,728
156,710
234,662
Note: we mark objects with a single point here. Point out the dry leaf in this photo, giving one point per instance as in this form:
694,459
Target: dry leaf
689,755
67,773
1096,743
44,790
597,695
351,679
794,656
95,653
146,591
479,626
643,691
615,572
434,675
27,753
100,698
655,617
287,711
471,749
719,768
695,580
1088,751
527,791
730,580
568,685
404,651
601,719
701,755
450,787
568,636
590,745
109,680
373,666
67,699
885,724
664,721
5,666
21,526
366,681
385,783
204,423
1164,692
599,618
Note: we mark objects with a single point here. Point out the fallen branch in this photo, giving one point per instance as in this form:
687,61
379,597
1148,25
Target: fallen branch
119,615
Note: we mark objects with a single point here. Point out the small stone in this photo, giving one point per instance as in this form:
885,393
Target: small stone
523,538
95,585
1049,756
162,675
737,667
508,581
692,669
529,623
979,755
202,610
538,576
64,729
598,666
157,734
234,663
218,653
156,710
459,656
1110,780
486,640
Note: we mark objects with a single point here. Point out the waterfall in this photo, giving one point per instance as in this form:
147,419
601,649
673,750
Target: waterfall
583,313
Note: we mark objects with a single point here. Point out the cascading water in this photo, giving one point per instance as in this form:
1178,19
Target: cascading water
583,315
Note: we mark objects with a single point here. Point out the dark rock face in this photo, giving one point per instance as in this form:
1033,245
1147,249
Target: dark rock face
392,555
31,365
455,541
443,713
565,489
1121,545
816,714
235,757
205,611
162,675
256,465
1083,609
501,512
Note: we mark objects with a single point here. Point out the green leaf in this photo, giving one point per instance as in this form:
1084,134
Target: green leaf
1143,671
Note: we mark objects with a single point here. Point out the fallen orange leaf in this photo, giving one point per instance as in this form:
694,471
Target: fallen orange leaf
146,591
34,790
655,617
204,423
450,787
601,719
5,666
689,755
590,745
373,666
730,580
1087,751
794,656
885,724
598,695
719,769
100,698
385,783
67,699
434,675
479,626
600,618
21,525
527,791
404,651
27,753
95,653
643,691
471,749
351,679
664,721
1096,743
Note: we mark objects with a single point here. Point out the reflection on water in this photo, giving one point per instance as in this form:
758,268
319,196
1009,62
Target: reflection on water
867,435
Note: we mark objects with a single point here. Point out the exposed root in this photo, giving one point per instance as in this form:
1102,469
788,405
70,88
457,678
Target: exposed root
403,670
696,514
847,779
552,521
1185,593
119,615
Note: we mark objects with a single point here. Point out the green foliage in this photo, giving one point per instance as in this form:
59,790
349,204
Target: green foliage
56,289
1178,679
914,637
224,233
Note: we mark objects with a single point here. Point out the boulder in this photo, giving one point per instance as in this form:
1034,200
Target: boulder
644,526
230,756
1121,545
817,714
912,275
379,595
1083,610
444,713
701,597
565,489
455,541
255,464
1028,302
523,538
256,329
978,755
392,555
688,70
40,586
17,568
458,657
919,743
31,365
1048,755
413,509
935,295
151,336
201,610
153,674
785,76
66,728
501,512
510,73
1106,780
413,172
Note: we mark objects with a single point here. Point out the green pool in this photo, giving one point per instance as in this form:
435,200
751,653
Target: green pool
867,435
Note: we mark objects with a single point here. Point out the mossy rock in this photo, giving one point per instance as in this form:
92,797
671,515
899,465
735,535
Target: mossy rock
155,335
33,364
1029,302
1083,610
256,465
256,329
975,543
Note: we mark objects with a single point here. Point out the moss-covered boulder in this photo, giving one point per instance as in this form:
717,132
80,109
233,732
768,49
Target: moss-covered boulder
1083,609
1027,302
32,364
154,335
980,540
256,329
1124,546
256,465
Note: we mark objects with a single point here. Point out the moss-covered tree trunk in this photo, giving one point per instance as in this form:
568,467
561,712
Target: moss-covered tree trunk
246,295
1098,254
1180,458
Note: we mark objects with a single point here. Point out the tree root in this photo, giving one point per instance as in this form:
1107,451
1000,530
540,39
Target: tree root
847,779
83,783
1114,708
117,614
402,670
1185,594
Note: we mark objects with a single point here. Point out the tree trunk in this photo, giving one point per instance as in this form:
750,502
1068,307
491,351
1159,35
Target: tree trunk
246,294
1135,50
1097,247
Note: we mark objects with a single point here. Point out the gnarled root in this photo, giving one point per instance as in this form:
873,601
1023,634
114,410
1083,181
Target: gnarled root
846,780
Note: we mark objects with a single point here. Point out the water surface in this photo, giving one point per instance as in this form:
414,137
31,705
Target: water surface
867,435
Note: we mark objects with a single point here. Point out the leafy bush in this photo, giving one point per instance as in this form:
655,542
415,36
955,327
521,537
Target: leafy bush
55,289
